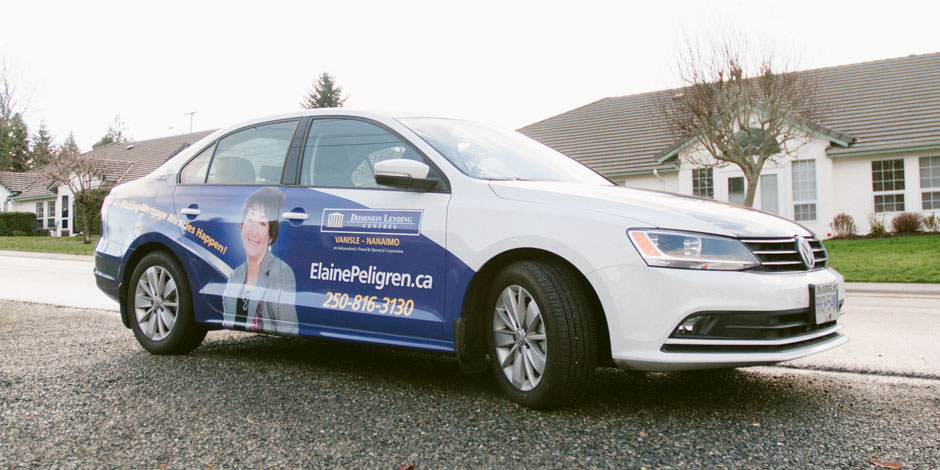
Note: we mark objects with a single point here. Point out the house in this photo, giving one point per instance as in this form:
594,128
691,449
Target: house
874,151
37,190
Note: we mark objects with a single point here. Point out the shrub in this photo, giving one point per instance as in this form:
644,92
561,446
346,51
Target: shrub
843,225
931,223
877,224
95,209
12,223
907,222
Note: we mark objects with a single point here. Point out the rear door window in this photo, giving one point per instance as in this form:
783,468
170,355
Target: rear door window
253,156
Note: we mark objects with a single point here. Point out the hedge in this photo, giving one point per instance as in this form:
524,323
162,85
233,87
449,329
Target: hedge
16,223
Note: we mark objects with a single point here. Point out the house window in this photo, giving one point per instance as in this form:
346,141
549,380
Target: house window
39,212
736,190
50,214
930,183
887,178
804,190
65,212
702,185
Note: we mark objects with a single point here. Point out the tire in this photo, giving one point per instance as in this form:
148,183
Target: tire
162,319
557,333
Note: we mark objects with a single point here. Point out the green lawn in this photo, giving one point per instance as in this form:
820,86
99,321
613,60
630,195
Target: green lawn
896,259
67,245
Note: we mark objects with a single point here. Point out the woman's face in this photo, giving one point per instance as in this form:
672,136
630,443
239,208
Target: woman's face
255,234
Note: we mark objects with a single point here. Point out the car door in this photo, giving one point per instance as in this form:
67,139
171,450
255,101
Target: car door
227,199
370,260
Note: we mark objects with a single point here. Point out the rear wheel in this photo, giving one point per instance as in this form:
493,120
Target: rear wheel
161,307
541,337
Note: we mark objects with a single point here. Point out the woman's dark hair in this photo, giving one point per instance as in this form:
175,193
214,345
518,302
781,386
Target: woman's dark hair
270,201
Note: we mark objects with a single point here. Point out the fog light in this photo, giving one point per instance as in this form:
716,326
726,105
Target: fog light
698,325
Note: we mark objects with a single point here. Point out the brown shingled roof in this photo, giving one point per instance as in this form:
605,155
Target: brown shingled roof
17,181
121,162
142,156
885,104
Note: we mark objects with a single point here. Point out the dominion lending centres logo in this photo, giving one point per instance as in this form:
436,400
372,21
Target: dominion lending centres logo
371,221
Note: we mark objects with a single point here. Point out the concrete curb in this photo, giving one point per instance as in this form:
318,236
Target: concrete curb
928,290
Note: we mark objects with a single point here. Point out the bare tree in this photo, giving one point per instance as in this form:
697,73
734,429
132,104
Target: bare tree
14,135
85,178
744,107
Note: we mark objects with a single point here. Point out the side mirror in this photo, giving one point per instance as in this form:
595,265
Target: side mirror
404,174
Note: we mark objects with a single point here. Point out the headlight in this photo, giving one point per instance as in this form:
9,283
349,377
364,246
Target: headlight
691,250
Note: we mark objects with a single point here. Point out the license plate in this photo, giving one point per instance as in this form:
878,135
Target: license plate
824,300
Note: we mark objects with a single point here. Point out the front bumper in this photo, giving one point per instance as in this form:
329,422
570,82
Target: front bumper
645,305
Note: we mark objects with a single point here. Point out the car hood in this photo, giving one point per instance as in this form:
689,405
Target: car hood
653,208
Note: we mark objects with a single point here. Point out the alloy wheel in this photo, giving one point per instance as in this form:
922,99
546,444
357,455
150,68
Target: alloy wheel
519,337
156,303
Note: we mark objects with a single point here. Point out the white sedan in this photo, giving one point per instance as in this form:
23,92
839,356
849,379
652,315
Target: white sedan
457,237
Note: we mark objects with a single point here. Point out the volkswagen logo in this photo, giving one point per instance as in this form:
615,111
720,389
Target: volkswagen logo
806,252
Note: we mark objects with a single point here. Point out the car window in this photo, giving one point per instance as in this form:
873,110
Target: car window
195,171
252,156
342,153
488,152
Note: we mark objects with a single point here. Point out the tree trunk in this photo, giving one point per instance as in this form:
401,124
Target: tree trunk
752,180
86,221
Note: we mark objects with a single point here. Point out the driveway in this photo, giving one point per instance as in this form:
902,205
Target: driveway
76,391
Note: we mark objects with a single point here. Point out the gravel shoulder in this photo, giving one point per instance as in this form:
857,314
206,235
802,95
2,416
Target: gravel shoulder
76,391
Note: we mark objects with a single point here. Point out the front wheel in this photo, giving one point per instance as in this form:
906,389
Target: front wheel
161,308
541,336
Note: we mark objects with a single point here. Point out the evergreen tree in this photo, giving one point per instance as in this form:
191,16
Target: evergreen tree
19,144
5,160
325,94
69,147
116,133
43,148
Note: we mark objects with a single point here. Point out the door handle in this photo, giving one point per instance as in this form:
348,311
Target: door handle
294,216
190,211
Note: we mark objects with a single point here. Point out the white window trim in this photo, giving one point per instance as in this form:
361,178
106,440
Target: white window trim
814,201
711,178
892,192
929,189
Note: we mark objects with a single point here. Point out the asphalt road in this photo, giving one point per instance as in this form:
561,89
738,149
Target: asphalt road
76,391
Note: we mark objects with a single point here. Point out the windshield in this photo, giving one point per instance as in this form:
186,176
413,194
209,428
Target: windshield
488,152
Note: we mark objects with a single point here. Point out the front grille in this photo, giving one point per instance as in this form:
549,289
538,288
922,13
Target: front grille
783,255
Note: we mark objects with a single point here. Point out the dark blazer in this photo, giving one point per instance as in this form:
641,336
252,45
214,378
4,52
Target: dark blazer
275,290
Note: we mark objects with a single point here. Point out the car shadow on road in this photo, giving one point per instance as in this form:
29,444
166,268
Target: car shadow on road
734,392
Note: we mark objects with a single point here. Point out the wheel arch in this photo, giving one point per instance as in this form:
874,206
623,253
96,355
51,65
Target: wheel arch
469,335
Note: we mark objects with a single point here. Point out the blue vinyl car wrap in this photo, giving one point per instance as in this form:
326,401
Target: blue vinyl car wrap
456,237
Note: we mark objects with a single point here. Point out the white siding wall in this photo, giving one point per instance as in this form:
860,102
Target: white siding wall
854,195
4,204
665,181
811,148
30,206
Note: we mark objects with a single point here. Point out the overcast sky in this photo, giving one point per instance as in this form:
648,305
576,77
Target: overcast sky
505,62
